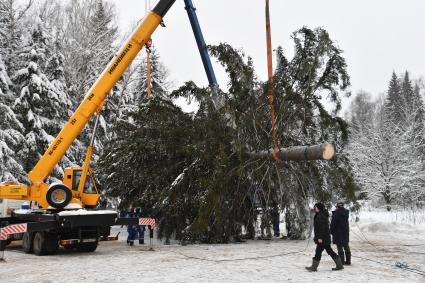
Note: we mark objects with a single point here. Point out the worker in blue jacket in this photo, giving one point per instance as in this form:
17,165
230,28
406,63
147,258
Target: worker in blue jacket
131,229
140,229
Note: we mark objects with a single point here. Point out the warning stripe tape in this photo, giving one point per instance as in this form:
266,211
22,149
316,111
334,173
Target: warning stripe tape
147,221
12,229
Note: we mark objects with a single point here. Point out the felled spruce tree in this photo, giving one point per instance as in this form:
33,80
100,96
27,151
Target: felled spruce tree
194,172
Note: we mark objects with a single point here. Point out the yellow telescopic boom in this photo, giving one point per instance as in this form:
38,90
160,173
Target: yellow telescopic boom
92,103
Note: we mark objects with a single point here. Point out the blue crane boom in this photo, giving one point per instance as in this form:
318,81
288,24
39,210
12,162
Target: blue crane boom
200,41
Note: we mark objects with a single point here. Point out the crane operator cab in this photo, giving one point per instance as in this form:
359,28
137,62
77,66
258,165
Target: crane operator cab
89,195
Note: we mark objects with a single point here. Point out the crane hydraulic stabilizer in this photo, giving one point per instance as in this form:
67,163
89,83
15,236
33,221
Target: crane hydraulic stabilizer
60,195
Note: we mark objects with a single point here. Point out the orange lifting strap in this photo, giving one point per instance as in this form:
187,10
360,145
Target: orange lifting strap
270,85
148,65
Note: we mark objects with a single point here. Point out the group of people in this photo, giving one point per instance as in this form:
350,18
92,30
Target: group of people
135,230
339,229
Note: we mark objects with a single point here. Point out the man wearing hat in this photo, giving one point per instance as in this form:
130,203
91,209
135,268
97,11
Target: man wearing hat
322,238
340,231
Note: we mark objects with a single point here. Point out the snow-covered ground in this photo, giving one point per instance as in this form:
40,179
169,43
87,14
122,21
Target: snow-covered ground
397,236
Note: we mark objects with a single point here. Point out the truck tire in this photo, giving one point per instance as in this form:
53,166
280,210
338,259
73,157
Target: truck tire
87,247
45,243
38,244
58,196
27,242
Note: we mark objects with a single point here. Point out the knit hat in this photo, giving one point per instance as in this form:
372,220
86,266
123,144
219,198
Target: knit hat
320,206
340,203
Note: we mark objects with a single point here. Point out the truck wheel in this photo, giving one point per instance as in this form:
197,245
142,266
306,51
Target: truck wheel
39,244
45,243
58,196
27,242
87,247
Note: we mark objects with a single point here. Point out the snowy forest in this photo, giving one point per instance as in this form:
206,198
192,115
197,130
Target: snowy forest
193,172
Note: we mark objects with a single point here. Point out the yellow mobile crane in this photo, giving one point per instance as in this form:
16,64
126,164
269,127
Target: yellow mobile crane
74,189
44,229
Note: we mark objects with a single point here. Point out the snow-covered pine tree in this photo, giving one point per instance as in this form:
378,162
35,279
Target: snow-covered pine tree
122,100
413,112
419,121
131,92
10,132
372,152
159,74
103,34
412,129
407,91
90,45
395,101
362,111
12,14
91,31
43,105
54,70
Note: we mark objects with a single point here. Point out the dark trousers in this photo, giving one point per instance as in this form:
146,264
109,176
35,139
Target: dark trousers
276,229
344,248
320,248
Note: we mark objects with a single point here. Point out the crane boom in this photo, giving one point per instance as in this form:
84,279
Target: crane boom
94,99
197,31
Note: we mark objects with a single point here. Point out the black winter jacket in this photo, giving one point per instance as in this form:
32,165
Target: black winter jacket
340,227
321,227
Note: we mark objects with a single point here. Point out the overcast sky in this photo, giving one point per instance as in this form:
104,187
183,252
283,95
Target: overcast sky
377,36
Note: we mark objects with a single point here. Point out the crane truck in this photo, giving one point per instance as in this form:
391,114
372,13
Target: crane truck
54,222
57,220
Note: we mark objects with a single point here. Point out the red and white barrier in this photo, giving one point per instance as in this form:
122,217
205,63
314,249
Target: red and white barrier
147,221
12,229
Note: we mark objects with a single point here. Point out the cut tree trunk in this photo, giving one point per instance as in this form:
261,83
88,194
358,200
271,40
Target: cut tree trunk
298,153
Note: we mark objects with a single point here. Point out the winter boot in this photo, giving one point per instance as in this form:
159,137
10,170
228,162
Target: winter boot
141,241
313,266
338,263
341,256
347,258
130,243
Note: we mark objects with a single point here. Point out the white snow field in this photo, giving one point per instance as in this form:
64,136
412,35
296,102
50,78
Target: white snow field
397,236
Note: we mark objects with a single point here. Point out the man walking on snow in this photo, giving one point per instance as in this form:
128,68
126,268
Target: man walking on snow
340,232
322,238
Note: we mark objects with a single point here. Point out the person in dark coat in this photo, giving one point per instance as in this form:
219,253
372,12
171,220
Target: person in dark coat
322,238
275,217
340,231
